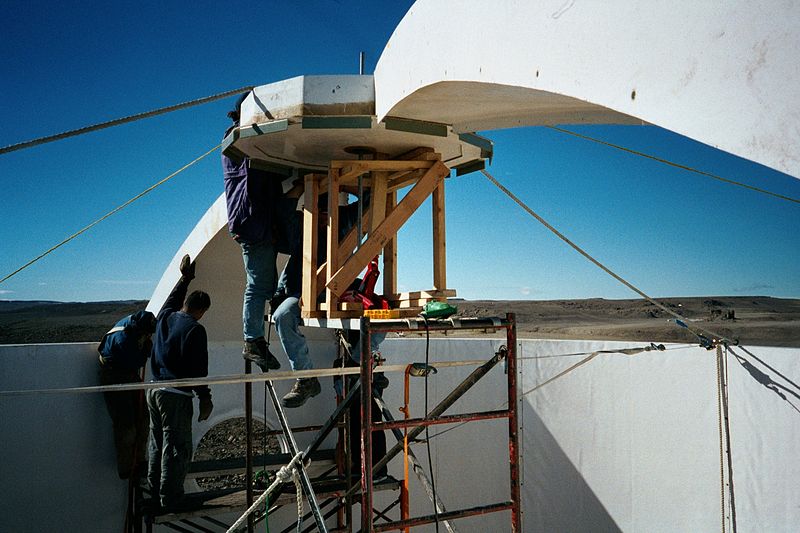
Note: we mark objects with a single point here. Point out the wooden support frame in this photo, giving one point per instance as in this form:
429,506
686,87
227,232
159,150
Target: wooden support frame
345,259
386,230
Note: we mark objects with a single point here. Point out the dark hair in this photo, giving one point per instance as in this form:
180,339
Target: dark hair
237,107
198,301
143,322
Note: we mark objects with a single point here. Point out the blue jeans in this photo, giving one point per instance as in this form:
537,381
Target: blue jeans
170,444
289,222
259,265
287,324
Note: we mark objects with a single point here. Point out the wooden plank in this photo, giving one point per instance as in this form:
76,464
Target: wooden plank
233,500
433,293
236,465
310,241
419,302
422,152
356,307
344,276
390,251
439,241
332,297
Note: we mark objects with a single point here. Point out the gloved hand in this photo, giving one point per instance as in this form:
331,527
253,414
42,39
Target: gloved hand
187,268
206,406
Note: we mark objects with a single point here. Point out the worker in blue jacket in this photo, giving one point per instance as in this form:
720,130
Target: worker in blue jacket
123,353
180,350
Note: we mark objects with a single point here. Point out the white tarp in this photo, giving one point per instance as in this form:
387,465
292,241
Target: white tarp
622,443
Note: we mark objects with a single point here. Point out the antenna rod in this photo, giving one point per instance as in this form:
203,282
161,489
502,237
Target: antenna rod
361,56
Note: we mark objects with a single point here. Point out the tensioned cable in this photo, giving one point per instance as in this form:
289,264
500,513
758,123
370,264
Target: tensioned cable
591,355
232,379
673,164
123,120
596,262
576,354
116,209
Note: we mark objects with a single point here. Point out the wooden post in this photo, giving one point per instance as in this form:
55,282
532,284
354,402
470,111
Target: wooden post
390,252
439,242
310,241
331,297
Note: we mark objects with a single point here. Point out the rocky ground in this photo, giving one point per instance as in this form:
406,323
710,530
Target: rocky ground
28,322
228,440
754,320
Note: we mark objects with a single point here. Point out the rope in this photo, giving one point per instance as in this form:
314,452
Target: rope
595,261
676,165
727,418
721,444
592,355
113,211
298,488
626,351
230,379
282,476
554,356
123,120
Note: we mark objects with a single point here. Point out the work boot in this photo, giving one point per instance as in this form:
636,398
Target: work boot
258,352
302,390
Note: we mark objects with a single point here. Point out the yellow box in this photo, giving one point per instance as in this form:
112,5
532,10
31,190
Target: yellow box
377,314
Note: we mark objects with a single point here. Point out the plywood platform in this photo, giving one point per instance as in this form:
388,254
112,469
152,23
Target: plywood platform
234,500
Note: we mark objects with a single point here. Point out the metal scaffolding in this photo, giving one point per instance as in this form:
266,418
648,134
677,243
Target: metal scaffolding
334,492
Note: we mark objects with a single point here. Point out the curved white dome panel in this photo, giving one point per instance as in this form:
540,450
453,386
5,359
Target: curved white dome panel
723,73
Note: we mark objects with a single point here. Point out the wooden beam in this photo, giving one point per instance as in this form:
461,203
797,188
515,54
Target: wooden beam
390,251
386,230
350,168
332,297
439,241
310,241
404,179
377,206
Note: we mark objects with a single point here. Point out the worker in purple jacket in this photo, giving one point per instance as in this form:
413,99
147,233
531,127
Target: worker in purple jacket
251,195
180,350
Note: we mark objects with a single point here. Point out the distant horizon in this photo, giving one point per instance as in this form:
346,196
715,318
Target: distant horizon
457,298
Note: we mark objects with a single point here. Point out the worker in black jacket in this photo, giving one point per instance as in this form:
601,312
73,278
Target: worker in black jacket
180,350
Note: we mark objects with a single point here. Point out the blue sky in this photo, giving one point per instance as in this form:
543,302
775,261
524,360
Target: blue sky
65,65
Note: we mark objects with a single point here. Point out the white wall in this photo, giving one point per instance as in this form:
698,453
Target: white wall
623,443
